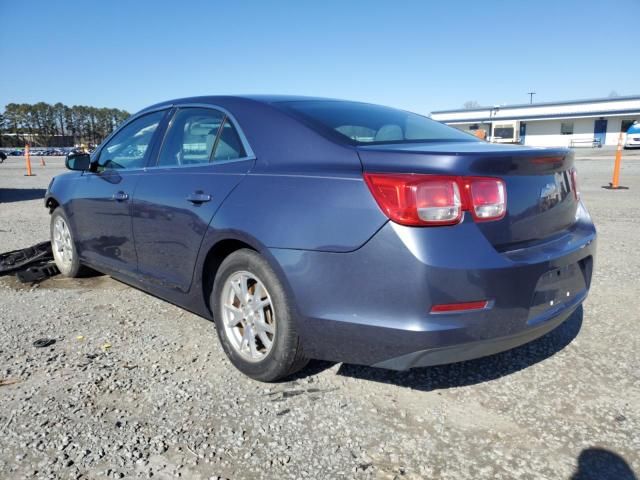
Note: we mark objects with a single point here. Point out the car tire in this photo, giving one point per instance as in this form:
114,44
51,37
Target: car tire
255,323
63,246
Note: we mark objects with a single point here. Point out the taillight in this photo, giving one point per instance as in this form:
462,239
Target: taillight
488,198
574,183
421,200
411,199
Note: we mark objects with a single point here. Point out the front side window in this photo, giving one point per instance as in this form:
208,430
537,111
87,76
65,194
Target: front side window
128,147
363,123
199,136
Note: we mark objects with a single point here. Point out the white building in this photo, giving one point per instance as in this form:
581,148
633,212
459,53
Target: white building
592,122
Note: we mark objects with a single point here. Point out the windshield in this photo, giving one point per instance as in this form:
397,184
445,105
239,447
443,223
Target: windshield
364,123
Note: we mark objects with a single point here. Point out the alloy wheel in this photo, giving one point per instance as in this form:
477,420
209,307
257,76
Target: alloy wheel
248,316
62,244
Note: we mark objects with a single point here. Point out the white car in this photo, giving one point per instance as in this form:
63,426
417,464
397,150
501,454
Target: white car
633,136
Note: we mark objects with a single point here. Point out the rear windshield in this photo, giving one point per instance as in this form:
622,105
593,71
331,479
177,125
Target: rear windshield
365,124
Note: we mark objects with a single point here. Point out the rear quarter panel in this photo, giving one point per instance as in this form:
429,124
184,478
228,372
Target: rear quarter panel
304,192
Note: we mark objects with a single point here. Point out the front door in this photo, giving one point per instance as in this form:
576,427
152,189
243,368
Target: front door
202,159
600,130
101,209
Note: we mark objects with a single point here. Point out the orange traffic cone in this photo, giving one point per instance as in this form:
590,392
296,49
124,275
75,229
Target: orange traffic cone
27,160
615,181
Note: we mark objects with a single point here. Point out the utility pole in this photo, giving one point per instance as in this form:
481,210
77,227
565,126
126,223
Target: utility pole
531,94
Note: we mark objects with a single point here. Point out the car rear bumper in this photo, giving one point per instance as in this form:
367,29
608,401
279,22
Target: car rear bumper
373,306
477,349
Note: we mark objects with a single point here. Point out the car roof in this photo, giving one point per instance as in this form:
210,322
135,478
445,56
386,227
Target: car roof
222,100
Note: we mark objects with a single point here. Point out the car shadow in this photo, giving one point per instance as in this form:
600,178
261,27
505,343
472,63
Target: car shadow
8,195
601,464
464,373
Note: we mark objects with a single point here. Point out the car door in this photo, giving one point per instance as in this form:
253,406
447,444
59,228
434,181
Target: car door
101,208
202,158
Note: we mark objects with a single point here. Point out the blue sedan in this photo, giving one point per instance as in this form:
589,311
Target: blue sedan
337,230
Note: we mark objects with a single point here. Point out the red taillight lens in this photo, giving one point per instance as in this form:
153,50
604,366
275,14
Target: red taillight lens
411,199
574,183
488,198
422,200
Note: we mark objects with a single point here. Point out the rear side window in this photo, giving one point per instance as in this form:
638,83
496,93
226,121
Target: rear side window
229,145
364,123
200,136
191,137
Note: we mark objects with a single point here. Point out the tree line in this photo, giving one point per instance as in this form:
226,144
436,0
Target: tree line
43,124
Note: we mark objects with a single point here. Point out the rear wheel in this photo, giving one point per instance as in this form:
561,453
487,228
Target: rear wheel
63,246
254,318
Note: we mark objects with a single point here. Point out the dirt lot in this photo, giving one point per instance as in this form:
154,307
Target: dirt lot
136,387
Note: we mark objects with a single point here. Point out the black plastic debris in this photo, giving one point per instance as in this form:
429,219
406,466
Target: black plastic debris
31,264
37,273
44,342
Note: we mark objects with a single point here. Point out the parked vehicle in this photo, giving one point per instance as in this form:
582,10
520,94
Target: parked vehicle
633,136
505,132
345,231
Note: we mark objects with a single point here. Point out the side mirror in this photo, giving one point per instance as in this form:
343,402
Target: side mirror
78,161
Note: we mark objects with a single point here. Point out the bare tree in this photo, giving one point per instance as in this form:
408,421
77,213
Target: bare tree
470,104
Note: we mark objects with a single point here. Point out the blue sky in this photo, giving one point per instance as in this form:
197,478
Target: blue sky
417,55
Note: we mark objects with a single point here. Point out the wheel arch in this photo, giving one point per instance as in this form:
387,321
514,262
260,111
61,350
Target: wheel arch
214,258
51,203
221,248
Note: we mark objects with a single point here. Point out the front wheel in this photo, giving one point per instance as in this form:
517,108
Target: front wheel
63,246
254,318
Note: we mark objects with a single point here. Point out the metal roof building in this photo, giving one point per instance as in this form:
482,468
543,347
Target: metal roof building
592,122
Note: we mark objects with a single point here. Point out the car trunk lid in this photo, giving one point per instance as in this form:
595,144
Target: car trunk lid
541,202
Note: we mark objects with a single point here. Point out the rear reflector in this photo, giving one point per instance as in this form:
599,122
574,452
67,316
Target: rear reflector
433,200
459,307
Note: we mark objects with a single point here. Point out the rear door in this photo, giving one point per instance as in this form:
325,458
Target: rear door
201,160
101,206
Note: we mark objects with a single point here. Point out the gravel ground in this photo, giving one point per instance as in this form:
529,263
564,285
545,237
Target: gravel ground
137,388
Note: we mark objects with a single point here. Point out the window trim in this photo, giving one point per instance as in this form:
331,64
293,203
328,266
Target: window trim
227,115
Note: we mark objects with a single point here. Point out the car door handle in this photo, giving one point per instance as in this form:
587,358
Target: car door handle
199,197
120,196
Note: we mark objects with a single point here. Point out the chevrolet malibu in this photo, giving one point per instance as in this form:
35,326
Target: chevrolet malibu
337,230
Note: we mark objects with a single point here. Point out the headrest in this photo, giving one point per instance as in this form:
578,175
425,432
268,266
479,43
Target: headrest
388,133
